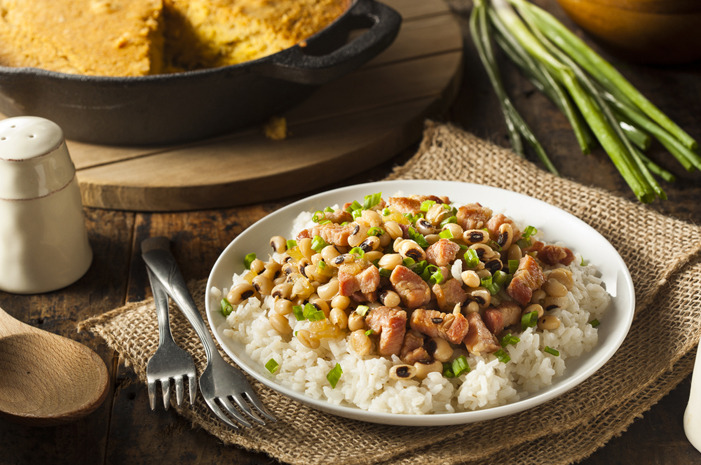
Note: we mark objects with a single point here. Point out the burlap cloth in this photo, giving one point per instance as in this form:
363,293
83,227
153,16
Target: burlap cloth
663,256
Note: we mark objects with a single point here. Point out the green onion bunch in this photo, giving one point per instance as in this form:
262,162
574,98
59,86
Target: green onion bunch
600,104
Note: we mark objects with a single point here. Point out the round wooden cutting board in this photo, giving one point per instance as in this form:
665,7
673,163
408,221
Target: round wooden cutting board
344,128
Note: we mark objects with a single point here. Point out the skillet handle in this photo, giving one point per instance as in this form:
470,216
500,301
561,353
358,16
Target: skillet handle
295,65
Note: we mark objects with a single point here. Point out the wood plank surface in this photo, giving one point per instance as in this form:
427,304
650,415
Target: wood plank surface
348,125
124,431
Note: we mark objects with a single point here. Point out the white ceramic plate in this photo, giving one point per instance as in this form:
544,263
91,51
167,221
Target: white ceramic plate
554,224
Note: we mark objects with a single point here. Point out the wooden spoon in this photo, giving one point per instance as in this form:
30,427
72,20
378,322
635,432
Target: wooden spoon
47,379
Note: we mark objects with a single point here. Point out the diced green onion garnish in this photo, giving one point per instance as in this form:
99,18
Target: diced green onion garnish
362,310
248,259
529,320
291,244
369,332
427,204
408,261
354,206
356,214
272,366
328,209
460,366
489,284
385,273
446,234
502,356
298,312
528,232
450,219
418,237
375,231
448,370
436,277
226,307
500,277
321,265
318,243
386,211
582,263
357,251
513,266
594,323
420,267
509,339
318,216
334,375
311,313
371,200
471,258
551,351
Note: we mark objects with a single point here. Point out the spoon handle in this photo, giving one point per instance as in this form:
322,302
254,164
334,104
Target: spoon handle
156,253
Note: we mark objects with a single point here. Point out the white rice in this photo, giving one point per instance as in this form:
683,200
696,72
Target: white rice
366,384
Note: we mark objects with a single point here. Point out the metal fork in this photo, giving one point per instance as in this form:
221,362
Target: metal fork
169,361
220,382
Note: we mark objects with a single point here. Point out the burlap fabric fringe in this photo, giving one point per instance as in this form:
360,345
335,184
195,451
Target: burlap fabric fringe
657,354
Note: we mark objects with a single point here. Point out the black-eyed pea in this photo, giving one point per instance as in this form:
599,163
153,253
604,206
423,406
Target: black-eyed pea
302,287
423,369
257,266
437,213
470,278
538,296
402,371
329,254
443,350
320,304
282,291
424,226
484,252
360,343
340,301
410,249
262,284
481,296
390,261
329,290
471,307
484,273
534,308
305,247
551,303
475,236
505,235
359,234
278,243
390,298
548,322
554,288
240,292
393,229
455,230
272,270
514,253
307,340
385,240
282,306
338,318
373,256
356,322
432,238
370,244
280,323
372,218
563,275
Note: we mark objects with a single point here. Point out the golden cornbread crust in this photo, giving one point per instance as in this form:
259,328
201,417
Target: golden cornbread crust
92,37
141,37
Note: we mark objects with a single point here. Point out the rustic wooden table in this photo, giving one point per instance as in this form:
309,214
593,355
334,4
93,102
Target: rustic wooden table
124,431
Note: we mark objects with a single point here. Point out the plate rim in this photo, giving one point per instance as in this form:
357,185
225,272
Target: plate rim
561,384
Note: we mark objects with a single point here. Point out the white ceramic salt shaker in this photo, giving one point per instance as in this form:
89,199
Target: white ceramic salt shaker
43,241
692,415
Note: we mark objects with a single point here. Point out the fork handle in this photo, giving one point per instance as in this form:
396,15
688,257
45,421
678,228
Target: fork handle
160,298
156,253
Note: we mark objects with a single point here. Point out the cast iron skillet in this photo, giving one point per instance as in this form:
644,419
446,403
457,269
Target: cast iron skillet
168,108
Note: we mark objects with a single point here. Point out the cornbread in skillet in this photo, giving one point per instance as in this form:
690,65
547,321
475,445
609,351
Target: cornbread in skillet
91,37
212,33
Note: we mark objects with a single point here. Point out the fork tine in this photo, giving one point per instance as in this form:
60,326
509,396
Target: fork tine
179,390
192,384
241,402
152,394
165,386
235,413
253,399
214,408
